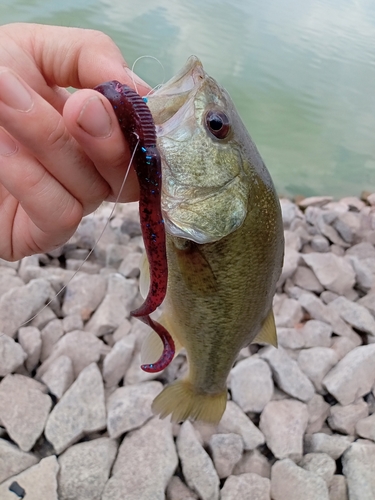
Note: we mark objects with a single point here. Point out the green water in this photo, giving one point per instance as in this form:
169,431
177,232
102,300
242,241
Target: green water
302,73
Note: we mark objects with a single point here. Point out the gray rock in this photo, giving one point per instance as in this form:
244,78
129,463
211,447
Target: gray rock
353,376
328,296
333,272
115,306
359,469
11,355
289,211
290,338
122,330
39,481
72,322
85,468
337,488
118,360
83,348
354,314
80,411
20,396
9,281
177,490
306,279
288,313
368,301
320,442
197,466
318,411
317,310
253,461
84,294
291,261
226,451
292,240
319,243
19,304
251,384
50,335
287,374
315,201
317,334
136,470
316,362
59,376
365,272
344,418
129,267
283,424
365,427
342,345
13,460
43,317
30,339
322,464
130,407
246,486
347,225
288,481
235,420
135,375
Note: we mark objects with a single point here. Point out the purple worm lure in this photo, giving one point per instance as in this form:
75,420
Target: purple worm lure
138,127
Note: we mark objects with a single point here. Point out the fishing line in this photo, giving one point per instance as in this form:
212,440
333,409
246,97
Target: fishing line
162,67
95,243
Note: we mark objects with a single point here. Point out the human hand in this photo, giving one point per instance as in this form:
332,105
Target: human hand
61,154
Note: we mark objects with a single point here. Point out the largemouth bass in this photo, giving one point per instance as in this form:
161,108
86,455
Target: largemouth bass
224,238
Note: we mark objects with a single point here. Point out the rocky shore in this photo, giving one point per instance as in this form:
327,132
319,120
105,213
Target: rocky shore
75,418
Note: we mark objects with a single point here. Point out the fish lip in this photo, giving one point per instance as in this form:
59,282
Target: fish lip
186,79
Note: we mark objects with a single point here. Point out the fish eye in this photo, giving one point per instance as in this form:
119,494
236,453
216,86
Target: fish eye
218,124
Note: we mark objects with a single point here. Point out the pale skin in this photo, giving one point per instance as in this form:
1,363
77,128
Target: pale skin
61,154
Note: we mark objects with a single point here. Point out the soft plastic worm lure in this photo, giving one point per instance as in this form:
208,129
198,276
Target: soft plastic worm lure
138,127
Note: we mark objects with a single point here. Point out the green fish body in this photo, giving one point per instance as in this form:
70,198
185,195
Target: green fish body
225,241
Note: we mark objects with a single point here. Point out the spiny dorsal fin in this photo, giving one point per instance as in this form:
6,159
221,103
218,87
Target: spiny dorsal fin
268,332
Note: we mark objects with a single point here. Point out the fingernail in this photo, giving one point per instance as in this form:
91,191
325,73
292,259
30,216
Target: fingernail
7,144
136,80
94,118
13,93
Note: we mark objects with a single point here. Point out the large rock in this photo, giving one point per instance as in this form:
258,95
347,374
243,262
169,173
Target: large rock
19,304
246,486
287,374
85,468
235,420
24,409
359,469
115,307
320,442
337,488
118,360
30,339
59,376
83,348
333,272
226,451
197,466
344,418
316,362
288,481
80,411
322,464
283,424
130,407
318,411
251,384
365,427
353,376
144,465
36,483
317,334
354,314
11,355
13,460
177,490
84,294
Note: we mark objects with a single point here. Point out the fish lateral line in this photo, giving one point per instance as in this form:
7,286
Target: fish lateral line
137,125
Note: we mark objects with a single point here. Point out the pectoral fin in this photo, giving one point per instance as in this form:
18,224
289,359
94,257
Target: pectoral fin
268,332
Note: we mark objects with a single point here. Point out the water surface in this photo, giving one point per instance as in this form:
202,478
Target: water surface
302,74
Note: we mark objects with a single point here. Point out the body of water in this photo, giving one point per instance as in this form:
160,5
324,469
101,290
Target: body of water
302,74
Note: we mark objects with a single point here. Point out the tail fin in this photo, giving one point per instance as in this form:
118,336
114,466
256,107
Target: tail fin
180,400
